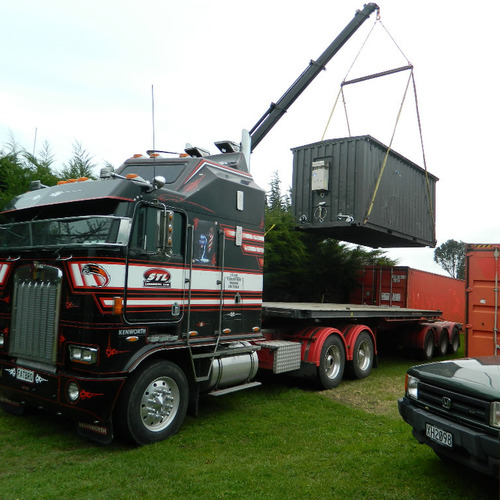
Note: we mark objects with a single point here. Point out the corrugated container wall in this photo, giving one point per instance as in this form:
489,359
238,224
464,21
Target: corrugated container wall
335,181
482,282
402,286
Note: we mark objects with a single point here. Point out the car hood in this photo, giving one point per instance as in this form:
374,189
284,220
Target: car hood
478,377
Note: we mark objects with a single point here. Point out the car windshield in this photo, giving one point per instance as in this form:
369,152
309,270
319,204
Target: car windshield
72,231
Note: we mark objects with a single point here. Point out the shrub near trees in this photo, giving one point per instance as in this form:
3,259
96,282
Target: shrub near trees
303,266
18,168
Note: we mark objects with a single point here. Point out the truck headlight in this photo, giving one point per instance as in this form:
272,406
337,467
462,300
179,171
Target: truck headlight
495,414
72,392
411,386
87,355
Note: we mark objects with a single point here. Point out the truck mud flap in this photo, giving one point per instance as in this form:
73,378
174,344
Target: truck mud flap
101,433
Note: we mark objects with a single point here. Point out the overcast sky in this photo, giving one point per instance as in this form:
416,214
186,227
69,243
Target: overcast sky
83,71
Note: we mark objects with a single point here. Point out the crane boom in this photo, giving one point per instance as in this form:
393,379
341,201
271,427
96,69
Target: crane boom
277,110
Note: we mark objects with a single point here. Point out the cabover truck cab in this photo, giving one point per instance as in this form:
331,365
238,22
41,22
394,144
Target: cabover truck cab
122,296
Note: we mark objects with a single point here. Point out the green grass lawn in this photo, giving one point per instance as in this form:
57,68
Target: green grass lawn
279,441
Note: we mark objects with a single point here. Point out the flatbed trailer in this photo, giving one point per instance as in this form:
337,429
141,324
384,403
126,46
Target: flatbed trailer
322,311
348,335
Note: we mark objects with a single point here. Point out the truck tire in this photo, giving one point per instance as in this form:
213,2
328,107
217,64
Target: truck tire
331,363
153,404
427,351
455,341
362,356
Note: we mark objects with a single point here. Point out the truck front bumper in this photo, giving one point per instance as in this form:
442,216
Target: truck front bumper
86,399
471,447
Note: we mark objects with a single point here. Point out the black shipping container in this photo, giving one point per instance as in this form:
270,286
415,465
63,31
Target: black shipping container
335,184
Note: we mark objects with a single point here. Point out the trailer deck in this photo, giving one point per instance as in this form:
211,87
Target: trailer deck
306,310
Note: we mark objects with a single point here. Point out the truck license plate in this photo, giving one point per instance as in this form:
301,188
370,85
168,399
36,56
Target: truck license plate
438,435
25,375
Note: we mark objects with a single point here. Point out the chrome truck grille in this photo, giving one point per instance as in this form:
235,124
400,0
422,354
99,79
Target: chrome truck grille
35,313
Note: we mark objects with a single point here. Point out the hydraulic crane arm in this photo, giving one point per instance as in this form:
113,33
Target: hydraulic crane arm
277,110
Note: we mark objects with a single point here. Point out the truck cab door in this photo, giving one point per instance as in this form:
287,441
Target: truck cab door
155,289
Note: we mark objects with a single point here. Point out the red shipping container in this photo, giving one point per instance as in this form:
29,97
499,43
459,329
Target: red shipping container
402,286
482,277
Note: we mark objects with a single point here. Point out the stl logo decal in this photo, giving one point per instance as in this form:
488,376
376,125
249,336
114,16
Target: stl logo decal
157,277
99,274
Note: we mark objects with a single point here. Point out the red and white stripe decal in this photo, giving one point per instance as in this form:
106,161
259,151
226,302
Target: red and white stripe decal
253,250
152,302
253,243
248,236
205,285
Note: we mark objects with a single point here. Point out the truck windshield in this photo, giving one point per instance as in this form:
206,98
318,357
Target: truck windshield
72,231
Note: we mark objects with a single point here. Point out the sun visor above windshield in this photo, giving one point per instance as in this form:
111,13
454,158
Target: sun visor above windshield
77,191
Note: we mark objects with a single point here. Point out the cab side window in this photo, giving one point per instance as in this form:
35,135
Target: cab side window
150,231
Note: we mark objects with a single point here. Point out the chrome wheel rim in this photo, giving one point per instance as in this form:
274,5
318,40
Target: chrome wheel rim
332,362
159,404
364,355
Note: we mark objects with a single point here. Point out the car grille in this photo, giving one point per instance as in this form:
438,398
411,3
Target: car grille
35,313
457,406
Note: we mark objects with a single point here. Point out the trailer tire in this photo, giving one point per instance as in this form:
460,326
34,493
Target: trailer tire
153,404
362,357
331,363
427,351
455,341
443,343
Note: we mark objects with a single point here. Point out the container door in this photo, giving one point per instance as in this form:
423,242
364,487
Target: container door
483,301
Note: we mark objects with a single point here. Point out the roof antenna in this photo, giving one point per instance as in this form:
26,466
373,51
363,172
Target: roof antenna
153,113
34,142
153,120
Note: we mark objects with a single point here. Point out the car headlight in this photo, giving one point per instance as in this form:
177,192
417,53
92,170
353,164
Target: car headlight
87,355
411,386
495,414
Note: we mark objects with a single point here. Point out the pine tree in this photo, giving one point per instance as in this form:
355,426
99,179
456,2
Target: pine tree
81,164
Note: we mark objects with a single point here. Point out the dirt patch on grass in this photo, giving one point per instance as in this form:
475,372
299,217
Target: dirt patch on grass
377,395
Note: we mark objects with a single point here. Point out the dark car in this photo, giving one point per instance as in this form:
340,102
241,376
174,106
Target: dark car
454,407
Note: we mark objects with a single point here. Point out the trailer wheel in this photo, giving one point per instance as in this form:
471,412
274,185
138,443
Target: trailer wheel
443,343
362,356
331,363
455,341
427,352
153,404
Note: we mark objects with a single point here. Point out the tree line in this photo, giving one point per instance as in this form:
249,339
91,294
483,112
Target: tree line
19,167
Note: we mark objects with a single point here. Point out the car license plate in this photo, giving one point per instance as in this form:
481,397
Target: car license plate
438,435
25,375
